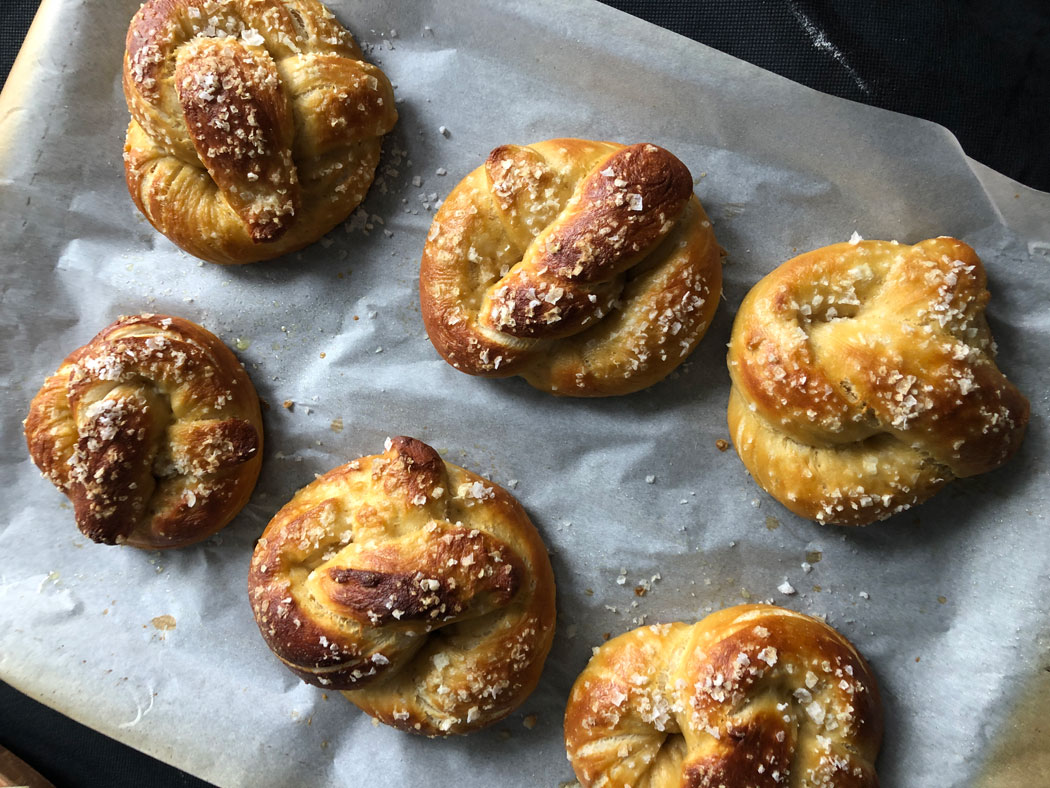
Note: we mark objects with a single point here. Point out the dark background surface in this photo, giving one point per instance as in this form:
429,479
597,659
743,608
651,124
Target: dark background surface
981,69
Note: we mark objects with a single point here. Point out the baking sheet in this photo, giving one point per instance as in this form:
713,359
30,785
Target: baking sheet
160,650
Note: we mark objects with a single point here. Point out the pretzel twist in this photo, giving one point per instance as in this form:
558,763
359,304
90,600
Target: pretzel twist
418,588
152,430
750,696
256,126
864,379
588,268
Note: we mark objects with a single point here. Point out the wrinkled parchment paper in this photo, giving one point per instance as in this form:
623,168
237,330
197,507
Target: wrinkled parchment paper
160,650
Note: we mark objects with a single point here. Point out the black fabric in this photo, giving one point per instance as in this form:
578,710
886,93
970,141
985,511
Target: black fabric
981,69
72,756
15,16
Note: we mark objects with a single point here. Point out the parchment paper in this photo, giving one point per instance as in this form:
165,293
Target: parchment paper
160,650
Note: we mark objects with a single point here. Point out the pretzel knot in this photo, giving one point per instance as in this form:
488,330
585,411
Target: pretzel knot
588,268
750,696
152,430
256,126
418,588
864,379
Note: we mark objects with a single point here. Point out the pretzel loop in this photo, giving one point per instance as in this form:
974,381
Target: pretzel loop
588,268
864,379
419,589
751,695
153,431
255,124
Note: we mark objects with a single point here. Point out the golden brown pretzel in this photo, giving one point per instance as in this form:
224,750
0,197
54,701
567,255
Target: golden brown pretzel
588,268
152,430
417,587
864,379
255,124
752,695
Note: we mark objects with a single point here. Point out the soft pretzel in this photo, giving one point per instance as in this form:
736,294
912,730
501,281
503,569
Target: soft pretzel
152,430
752,695
255,124
418,588
864,379
588,268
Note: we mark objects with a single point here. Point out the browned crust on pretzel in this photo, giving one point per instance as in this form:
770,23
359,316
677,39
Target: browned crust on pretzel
364,594
238,118
352,575
864,379
577,251
149,392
